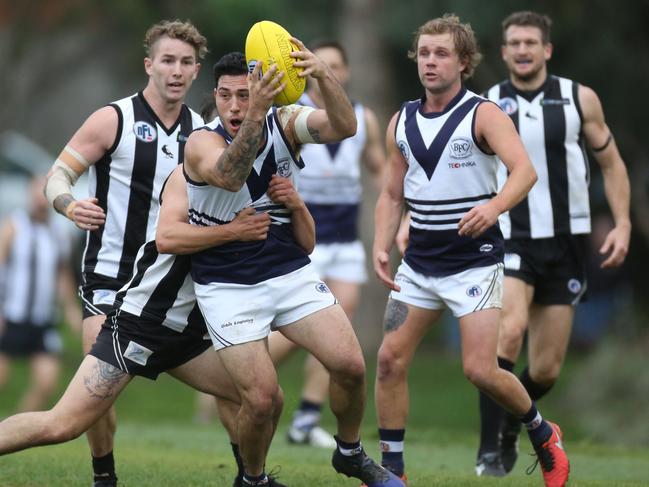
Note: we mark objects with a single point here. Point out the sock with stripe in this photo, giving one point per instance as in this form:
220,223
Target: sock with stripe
348,449
538,429
252,480
104,467
391,446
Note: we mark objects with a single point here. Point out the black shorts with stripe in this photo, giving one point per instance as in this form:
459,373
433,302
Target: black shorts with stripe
27,339
555,267
143,346
97,294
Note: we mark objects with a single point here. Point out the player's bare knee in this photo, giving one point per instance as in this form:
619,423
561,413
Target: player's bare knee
478,375
390,366
260,405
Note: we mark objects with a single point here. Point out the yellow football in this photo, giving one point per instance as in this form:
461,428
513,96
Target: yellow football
269,42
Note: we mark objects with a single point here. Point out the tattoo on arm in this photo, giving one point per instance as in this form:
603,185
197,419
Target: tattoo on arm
396,313
62,202
102,379
315,133
235,163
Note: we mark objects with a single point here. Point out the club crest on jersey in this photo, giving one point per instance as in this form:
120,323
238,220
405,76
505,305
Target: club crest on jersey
145,131
460,147
403,147
284,167
508,105
574,286
474,291
321,287
168,154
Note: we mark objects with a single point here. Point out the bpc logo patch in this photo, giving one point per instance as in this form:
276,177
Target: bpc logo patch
461,147
474,291
145,131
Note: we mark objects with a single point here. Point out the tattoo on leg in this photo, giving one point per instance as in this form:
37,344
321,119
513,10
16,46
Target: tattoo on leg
101,380
396,313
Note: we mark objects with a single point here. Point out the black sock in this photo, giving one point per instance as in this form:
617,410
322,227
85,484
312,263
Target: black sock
534,389
237,458
491,416
104,467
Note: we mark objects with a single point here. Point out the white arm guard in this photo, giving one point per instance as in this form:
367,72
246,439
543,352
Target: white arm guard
284,115
62,177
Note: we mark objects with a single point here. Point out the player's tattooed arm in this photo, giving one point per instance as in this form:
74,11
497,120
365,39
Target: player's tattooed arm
315,134
396,313
102,380
62,202
235,163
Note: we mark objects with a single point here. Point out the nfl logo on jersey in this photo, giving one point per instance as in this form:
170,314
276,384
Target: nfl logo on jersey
144,131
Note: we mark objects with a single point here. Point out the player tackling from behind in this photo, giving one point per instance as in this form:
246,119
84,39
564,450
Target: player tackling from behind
442,161
245,289
129,148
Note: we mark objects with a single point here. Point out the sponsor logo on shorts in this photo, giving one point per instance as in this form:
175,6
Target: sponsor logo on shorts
137,353
486,248
474,291
403,147
103,296
245,321
461,147
284,167
508,105
574,286
145,131
406,280
321,287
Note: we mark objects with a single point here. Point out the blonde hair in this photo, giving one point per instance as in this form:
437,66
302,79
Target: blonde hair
176,29
464,40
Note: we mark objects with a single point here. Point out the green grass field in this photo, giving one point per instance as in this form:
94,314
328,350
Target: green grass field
159,445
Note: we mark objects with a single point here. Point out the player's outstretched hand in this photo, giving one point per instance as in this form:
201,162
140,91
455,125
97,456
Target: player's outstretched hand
250,225
263,89
617,244
382,269
86,214
311,64
478,220
282,191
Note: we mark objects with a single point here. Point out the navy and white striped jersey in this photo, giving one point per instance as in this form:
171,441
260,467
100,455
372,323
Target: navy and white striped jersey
330,182
549,121
448,174
36,253
127,181
248,262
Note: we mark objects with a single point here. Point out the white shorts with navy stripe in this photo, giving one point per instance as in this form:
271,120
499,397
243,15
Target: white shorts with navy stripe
240,313
469,291
340,261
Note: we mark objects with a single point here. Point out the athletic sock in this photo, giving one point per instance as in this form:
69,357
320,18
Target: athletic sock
391,446
538,429
307,415
534,389
348,449
104,467
237,458
258,480
491,416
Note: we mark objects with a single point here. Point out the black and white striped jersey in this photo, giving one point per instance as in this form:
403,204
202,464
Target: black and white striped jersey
36,253
549,121
448,174
161,289
127,181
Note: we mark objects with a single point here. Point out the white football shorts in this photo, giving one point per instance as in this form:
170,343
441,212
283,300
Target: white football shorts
340,261
469,291
240,313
